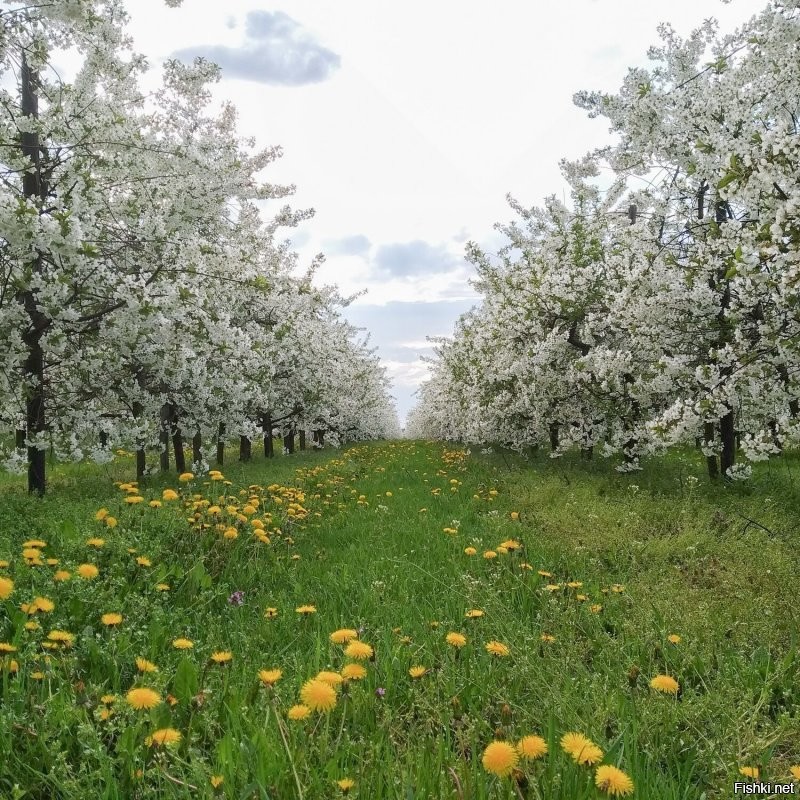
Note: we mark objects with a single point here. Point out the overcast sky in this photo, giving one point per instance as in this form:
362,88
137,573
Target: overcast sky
405,124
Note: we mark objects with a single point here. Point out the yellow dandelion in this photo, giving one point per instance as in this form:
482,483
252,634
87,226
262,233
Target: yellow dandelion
111,619
269,677
417,671
750,772
331,678
271,613
298,712
532,747
665,684
143,665
162,587
143,561
547,637
353,672
795,772
596,608
455,639
346,784
216,781
169,494
6,587
673,638
613,781
318,695
100,514
474,613
88,571
497,648
222,657
155,504
358,650
500,758
95,542
108,699
62,637
185,477
306,609
470,551
5,647
111,522
163,737
42,604
489,555
582,749
143,698
134,499
32,626
343,635
182,644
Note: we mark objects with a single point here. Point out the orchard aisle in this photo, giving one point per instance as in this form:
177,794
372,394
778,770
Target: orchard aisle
417,620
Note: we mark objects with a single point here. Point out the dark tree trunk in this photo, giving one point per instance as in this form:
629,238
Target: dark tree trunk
288,441
103,438
711,461
177,441
773,429
163,437
34,187
554,436
303,439
245,448
728,436
221,444
138,410
197,448
266,427
19,439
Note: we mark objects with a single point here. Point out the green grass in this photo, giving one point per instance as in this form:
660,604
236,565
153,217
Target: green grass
713,563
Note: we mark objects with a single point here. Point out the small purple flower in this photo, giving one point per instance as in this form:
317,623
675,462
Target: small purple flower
237,598
380,691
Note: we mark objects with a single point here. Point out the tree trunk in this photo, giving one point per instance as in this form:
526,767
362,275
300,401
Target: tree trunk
197,448
177,441
728,436
221,444
103,438
303,439
554,436
711,461
138,410
19,439
245,448
288,441
266,427
163,437
34,187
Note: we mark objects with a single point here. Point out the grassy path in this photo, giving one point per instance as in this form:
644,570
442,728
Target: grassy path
616,580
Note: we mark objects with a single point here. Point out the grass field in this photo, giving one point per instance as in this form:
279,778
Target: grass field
652,574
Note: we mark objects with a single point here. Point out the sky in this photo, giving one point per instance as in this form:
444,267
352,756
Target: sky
405,125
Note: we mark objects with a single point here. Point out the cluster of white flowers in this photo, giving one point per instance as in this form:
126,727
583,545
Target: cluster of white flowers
144,298
662,310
